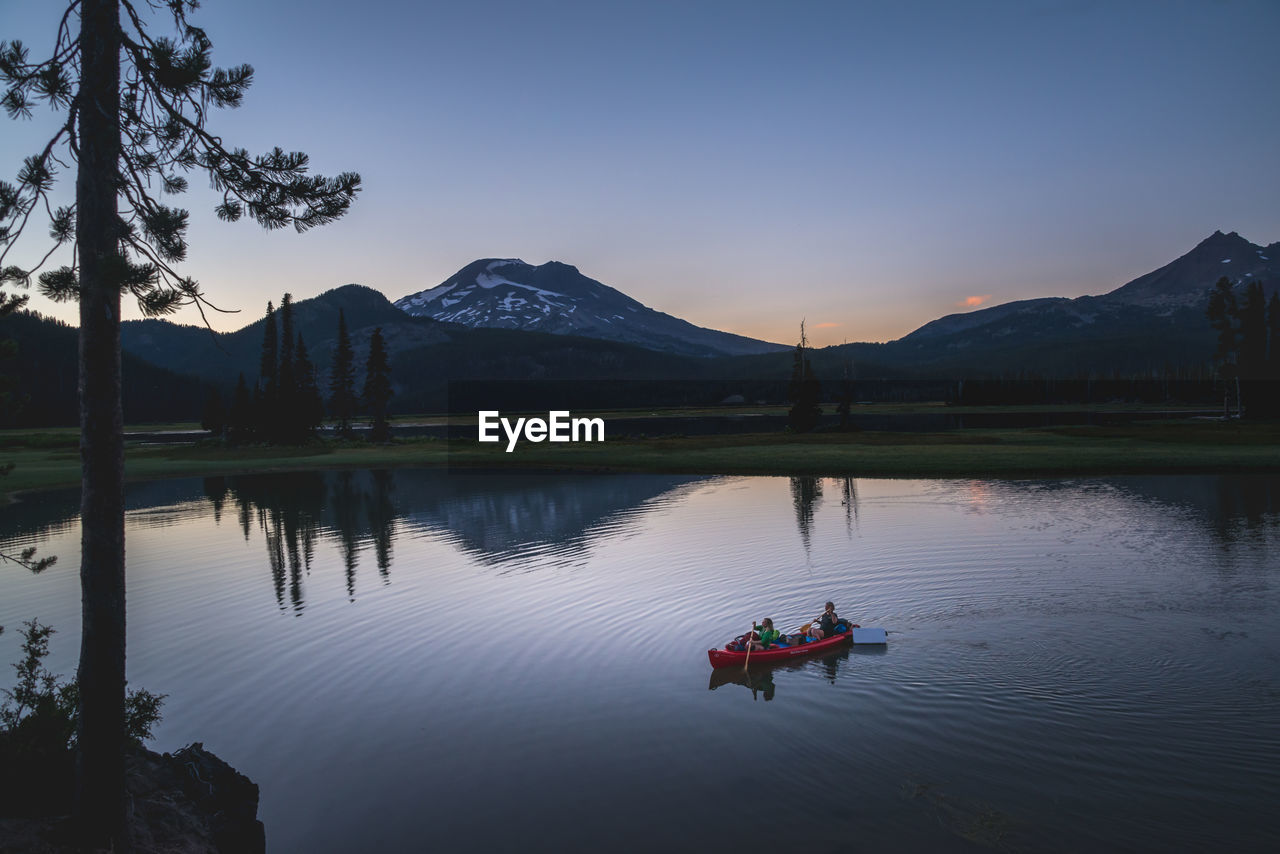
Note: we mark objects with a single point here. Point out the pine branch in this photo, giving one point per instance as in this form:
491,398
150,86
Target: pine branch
168,86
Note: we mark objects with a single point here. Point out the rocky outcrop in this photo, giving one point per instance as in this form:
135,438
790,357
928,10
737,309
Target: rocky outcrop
188,801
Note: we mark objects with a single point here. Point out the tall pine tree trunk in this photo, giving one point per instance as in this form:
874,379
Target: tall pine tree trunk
100,796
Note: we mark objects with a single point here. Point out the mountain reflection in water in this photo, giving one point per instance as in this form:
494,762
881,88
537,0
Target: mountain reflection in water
502,519
1074,664
499,519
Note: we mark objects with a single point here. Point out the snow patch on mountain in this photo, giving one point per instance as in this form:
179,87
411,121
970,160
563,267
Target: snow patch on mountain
511,294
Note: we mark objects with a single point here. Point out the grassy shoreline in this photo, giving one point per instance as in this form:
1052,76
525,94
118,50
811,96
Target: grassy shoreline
45,461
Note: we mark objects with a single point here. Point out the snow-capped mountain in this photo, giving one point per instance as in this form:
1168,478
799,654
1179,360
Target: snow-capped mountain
507,293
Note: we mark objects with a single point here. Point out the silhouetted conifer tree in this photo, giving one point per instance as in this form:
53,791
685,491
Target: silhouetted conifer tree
287,404
1222,312
1253,352
136,109
1244,354
1270,389
377,387
310,406
268,372
342,382
804,391
288,427
1253,333
9,303
10,404
1273,329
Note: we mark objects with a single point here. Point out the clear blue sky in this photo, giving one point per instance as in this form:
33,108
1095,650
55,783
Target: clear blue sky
868,166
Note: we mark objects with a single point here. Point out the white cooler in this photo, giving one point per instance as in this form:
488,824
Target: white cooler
869,636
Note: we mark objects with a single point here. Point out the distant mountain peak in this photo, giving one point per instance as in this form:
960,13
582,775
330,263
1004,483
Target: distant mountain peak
1168,302
508,293
1224,242
1186,280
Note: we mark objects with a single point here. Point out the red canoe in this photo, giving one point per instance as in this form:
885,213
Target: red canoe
729,657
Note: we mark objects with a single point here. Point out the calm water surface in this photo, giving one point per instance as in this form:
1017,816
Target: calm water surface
409,660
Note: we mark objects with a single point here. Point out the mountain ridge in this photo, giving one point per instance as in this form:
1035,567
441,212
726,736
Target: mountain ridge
508,293
1168,301
1151,324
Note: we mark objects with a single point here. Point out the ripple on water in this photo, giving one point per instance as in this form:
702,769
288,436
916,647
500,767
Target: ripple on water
1079,664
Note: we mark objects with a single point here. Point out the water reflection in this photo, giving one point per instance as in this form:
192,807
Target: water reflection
346,500
849,500
381,516
496,516
497,519
1059,648
293,512
501,519
1230,506
806,495
759,679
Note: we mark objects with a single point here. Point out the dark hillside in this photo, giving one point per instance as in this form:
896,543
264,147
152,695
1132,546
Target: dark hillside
46,372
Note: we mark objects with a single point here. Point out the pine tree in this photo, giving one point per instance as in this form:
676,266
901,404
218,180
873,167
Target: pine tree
804,391
1253,333
1253,351
309,403
9,403
136,111
1222,313
288,427
1273,334
377,387
342,381
1272,384
268,373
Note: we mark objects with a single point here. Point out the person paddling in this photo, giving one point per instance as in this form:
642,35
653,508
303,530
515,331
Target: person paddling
762,635
826,623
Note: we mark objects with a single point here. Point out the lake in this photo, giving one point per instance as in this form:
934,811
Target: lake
405,660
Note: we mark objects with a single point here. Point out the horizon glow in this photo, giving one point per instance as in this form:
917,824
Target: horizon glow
741,165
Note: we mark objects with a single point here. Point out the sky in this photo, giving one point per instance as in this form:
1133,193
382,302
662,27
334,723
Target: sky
865,166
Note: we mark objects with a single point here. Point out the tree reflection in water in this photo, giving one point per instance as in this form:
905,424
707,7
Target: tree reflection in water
500,519
345,501
382,521
849,499
293,511
496,519
806,495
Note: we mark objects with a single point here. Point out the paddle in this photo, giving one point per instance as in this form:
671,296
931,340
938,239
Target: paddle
749,634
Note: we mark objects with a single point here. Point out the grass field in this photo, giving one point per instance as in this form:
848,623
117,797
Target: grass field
45,459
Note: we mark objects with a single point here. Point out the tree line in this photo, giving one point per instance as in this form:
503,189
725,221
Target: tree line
285,405
1247,356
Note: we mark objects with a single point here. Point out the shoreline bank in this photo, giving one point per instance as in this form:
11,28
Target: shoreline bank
1165,447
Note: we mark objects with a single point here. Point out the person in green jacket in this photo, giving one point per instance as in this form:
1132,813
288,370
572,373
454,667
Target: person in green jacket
763,635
